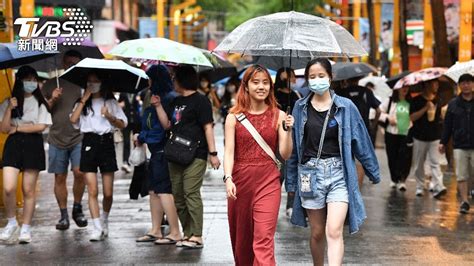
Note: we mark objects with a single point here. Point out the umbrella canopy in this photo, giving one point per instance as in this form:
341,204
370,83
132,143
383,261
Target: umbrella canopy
124,78
348,70
291,34
275,62
222,67
161,50
10,56
86,49
456,71
393,80
420,76
381,89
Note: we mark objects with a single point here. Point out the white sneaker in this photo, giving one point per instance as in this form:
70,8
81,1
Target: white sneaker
97,235
393,184
401,186
419,192
9,232
289,212
126,168
105,227
25,237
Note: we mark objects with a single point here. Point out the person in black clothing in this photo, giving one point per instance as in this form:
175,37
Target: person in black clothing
192,122
425,113
228,100
284,91
286,97
459,124
364,99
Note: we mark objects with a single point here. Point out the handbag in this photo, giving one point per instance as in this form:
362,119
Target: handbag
258,138
137,156
307,178
180,150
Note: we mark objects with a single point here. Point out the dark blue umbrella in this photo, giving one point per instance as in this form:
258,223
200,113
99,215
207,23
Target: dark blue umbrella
10,56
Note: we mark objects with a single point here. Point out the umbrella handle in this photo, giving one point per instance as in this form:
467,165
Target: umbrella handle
138,82
283,122
57,78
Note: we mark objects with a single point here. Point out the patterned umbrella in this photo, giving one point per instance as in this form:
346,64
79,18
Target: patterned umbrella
420,76
161,50
455,71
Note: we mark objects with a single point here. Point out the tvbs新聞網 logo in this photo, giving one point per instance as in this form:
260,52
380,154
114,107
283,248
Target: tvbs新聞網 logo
73,31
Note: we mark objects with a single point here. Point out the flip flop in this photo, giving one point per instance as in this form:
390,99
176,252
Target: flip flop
192,244
179,244
165,241
147,238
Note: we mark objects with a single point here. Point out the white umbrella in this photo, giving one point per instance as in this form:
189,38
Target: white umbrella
381,89
455,71
123,77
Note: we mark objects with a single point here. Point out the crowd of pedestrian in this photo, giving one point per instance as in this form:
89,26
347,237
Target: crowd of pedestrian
319,144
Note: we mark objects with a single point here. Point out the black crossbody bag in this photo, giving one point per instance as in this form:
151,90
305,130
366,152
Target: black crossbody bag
180,150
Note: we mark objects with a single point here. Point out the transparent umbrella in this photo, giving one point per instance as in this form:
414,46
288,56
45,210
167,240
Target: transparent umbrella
291,34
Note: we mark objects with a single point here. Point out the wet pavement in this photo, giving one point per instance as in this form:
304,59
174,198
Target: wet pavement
400,229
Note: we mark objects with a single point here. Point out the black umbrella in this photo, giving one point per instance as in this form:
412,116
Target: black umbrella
348,70
221,67
393,80
86,49
124,78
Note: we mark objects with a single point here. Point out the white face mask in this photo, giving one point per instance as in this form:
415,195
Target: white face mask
319,85
30,86
293,86
94,86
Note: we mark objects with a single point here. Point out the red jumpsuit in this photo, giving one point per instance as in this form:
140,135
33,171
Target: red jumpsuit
253,215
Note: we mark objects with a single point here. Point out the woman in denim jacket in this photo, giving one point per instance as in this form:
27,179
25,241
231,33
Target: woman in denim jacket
324,177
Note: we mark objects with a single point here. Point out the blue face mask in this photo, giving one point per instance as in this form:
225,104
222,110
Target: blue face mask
319,85
30,86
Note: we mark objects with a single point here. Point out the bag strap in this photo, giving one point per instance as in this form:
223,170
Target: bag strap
258,138
323,133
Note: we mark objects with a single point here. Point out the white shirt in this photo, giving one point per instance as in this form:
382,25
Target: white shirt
94,122
32,113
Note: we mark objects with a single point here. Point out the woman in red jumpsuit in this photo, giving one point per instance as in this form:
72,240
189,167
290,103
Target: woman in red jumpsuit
251,176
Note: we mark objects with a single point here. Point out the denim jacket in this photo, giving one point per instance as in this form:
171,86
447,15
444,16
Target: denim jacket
354,140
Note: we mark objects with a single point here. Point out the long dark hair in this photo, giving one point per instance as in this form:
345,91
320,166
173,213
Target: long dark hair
19,93
280,83
396,96
105,92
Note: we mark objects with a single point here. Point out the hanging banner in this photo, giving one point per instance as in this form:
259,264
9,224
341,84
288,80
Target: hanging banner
427,53
465,31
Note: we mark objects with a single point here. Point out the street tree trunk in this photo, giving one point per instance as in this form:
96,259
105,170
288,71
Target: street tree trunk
403,34
372,36
442,56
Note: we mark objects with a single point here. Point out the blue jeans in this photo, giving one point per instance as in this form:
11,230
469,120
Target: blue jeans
328,183
58,159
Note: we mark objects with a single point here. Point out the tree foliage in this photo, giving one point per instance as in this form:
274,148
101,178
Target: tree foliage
238,11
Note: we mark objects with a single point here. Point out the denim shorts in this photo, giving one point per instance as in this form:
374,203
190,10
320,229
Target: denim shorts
330,183
58,159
